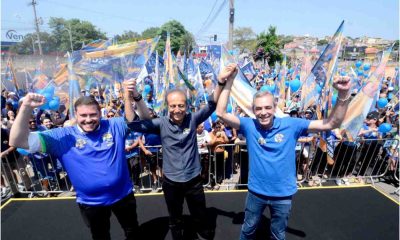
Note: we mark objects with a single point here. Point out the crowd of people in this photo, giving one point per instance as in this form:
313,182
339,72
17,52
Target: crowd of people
124,137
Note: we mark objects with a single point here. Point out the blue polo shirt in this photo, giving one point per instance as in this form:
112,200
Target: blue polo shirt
95,161
272,161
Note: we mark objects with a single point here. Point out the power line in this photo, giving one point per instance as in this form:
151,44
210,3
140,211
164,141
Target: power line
212,9
98,12
206,26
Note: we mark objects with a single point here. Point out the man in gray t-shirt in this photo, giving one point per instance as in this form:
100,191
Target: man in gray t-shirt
181,164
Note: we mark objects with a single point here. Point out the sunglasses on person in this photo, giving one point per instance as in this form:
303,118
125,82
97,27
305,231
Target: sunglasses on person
110,115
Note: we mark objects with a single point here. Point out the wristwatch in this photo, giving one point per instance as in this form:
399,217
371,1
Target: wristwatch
138,98
221,84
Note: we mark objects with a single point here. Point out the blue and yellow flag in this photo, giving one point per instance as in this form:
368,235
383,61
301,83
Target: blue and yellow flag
74,90
361,103
282,85
322,71
10,74
242,92
40,80
171,74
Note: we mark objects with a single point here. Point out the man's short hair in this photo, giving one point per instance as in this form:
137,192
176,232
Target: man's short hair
86,100
175,90
261,94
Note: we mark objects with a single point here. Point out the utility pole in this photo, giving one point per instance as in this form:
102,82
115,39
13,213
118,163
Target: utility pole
37,27
33,45
231,20
69,30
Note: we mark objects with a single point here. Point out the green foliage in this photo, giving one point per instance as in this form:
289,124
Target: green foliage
179,36
81,32
187,43
30,44
322,42
285,40
268,46
244,38
150,33
84,32
127,36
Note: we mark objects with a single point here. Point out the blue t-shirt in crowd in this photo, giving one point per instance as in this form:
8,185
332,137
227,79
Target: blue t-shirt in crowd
369,135
130,139
207,124
152,139
272,161
95,161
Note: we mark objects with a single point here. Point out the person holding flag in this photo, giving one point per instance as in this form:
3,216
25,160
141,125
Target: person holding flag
271,143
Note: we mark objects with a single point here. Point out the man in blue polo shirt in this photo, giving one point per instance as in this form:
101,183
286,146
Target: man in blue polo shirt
93,154
181,164
271,143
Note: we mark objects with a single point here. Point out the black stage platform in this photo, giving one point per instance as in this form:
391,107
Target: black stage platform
322,214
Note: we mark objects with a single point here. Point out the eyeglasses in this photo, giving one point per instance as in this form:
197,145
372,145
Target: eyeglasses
110,115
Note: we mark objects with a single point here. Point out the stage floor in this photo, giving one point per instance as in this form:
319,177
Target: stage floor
318,213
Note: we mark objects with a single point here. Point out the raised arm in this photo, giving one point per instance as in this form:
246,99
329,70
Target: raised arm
223,77
20,130
228,73
131,94
335,118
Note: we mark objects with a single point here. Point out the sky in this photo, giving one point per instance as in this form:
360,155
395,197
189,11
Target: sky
204,18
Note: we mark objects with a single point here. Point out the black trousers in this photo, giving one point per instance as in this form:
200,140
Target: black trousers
97,218
192,191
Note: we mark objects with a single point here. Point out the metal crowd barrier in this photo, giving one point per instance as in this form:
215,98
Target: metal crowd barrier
37,175
226,168
361,161
146,170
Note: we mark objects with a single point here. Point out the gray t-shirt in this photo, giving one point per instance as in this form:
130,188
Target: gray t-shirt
181,161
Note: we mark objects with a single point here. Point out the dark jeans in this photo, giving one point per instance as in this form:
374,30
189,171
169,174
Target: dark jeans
97,218
192,191
280,208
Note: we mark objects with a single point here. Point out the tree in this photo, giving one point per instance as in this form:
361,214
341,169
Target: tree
268,47
244,38
30,45
150,33
322,42
285,40
178,34
127,36
187,43
81,32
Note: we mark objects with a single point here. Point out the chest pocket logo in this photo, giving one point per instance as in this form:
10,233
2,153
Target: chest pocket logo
80,143
186,131
108,139
279,137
